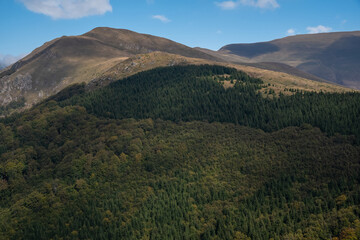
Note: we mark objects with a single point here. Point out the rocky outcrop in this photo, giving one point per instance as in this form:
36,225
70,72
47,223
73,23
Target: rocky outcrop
11,89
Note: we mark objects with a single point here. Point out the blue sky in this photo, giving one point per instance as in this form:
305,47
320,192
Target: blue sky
27,24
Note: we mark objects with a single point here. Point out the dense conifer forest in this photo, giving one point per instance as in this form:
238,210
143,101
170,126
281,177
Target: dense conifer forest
173,154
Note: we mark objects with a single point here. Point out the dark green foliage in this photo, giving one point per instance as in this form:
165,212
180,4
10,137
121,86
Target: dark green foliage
191,93
67,174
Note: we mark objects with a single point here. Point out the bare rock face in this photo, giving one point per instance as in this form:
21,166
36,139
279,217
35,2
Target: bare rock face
22,82
10,88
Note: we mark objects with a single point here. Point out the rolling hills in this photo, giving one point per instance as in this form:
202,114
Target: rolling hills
330,56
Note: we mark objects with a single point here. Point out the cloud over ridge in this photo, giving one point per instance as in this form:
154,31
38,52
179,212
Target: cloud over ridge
68,9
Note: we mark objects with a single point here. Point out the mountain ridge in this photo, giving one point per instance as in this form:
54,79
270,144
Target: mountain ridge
330,56
93,57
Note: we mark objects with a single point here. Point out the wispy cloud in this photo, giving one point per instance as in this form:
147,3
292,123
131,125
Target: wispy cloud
68,9
318,29
229,5
6,60
161,18
290,32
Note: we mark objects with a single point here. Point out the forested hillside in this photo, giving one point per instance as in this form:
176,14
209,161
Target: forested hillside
191,152
186,93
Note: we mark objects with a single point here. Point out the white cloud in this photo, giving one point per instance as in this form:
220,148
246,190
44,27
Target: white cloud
7,60
161,18
290,32
343,21
68,9
229,5
219,32
318,29
149,1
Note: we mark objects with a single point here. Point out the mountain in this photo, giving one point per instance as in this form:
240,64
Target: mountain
67,60
104,55
182,152
334,57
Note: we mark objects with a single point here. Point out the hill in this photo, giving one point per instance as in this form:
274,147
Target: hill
109,163
330,56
